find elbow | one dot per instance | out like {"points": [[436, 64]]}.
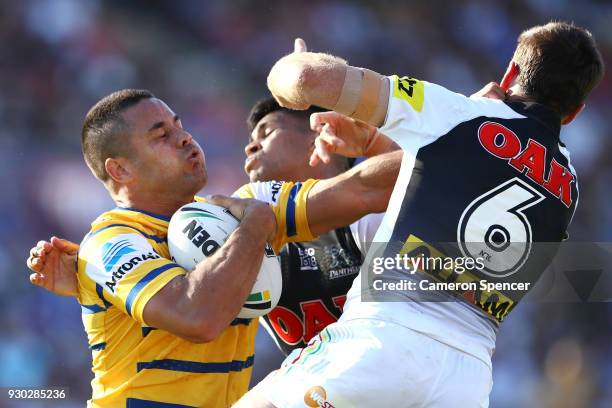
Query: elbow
{"points": [[202, 330], [291, 73]]}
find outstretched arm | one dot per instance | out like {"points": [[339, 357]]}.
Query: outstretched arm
{"points": [[364, 189]]}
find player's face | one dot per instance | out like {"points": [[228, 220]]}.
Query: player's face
{"points": [[279, 148], [165, 158]]}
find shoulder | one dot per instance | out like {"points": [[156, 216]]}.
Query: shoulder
{"points": [[267, 191]]}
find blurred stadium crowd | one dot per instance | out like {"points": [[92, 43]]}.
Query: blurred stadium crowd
{"points": [[209, 61]]}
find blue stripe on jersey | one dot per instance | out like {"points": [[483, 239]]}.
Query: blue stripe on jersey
{"points": [[100, 292], [92, 309], [155, 238], [238, 321], [291, 230], [140, 403], [143, 282], [150, 214], [146, 330], [97, 346], [196, 366]]}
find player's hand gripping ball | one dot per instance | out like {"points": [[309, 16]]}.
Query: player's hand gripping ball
{"points": [[197, 230]]}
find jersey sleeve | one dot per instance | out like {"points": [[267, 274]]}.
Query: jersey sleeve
{"points": [[419, 112], [288, 200], [125, 266], [364, 229]]}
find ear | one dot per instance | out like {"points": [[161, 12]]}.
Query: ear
{"points": [[511, 73], [572, 115], [118, 170]]}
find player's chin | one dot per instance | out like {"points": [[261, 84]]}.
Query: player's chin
{"points": [[197, 174]]}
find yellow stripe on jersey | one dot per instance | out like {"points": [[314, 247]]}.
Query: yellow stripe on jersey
{"points": [[288, 201], [122, 263]]}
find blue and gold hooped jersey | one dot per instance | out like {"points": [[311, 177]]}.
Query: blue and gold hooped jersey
{"points": [[123, 262], [288, 201]]}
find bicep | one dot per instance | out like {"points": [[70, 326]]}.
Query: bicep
{"points": [[127, 270], [164, 310]]}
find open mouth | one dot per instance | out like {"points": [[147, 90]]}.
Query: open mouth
{"points": [[195, 155]]}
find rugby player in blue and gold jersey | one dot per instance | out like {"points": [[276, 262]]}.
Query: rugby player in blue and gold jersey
{"points": [[195, 356], [158, 333]]}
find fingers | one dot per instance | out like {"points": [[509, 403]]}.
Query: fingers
{"points": [[37, 279], [492, 91], [219, 199], [323, 150], [314, 159], [317, 120], [36, 259], [64, 245], [299, 45]]}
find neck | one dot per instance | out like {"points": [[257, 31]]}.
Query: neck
{"points": [[162, 204], [319, 172]]}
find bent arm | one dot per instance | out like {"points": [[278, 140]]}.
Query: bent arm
{"points": [[301, 79], [198, 306], [364, 189]]}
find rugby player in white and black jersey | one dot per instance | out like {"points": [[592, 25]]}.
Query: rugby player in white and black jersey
{"points": [[490, 176], [316, 274]]}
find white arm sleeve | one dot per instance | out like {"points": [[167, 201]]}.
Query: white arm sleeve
{"points": [[363, 231], [420, 112]]}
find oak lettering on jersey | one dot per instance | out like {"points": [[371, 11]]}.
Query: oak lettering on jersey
{"points": [[293, 330], [503, 143], [316, 318]]}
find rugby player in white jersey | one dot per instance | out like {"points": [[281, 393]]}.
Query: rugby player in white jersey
{"points": [[490, 176]]}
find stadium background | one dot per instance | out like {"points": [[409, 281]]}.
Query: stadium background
{"points": [[209, 61]]}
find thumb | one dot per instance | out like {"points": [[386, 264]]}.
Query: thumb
{"points": [[299, 45], [64, 245], [219, 199]]}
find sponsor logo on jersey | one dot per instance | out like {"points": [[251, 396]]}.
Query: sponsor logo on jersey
{"points": [[126, 267], [411, 90], [275, 189], [113, 251], [308, 262], [496, 304], [503, 143], [292, 328], [317, 397]]}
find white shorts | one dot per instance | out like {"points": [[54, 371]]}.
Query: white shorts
{"points": [[373, 363]]}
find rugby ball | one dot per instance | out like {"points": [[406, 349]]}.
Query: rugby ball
{"points": [[198, 229]]}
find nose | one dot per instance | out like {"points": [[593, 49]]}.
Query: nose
{"points": [[185, 138], [252, 148]]}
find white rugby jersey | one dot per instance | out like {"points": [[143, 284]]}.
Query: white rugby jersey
{"points": [[491, 178]]}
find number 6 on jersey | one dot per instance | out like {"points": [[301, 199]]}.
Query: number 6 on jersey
{"points": [[494, 227]]}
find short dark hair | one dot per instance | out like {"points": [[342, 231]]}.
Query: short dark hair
{"points": [[104, 127], [268, 105], [559, 64]]}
